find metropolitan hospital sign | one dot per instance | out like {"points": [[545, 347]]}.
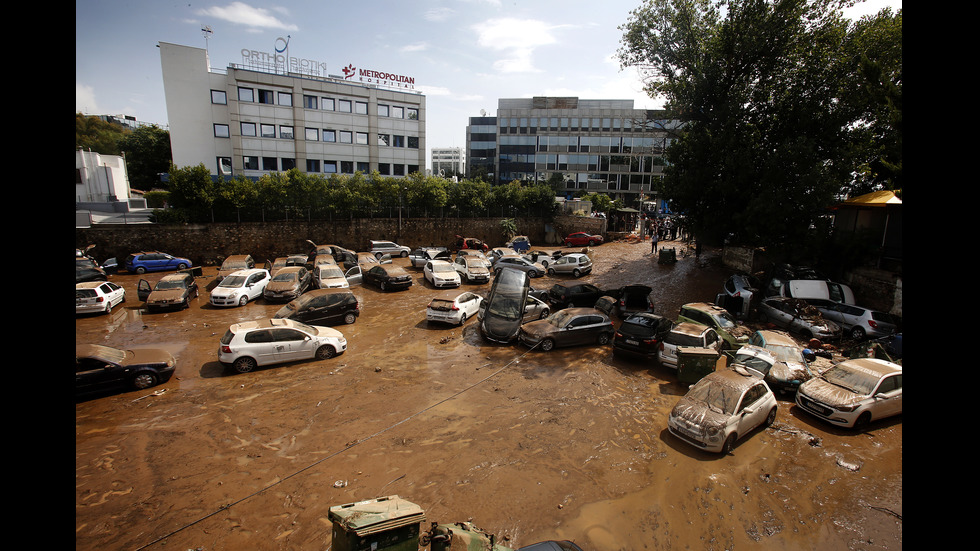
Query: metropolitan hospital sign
{"points": [[280, 61]]}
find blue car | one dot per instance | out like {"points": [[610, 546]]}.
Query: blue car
{"points": [[142, 262]]}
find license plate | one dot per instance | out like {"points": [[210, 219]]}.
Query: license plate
{"points": [[631, 341]]}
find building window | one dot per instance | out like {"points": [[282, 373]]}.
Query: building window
{"points": [[221, 131], [248, 129], [362, 138], [361, 108], [382, 110], [267, 130], [219, 97], [270, 164], [286, 132], [413, 114], [288, 163], [312, 135], [246, 94], [384, 139], [309, 102], [346, 136], [399, 141], [413, 142], [250, 163], [326, 104], [384, 169], [329, 135], [347, 167], [224, 165], [267, 97], [398, 112], [313, 165], [285, 98], [399, 169], [413, 169], [330, 167], [363, 167], [344, 106]]}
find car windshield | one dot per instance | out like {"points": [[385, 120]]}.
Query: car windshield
{"points": [[785, 353], [441, 304], [753, 362], [288, 276], [718, 397], [724, 320], [332, 271], [560, 318], [108, 354], [169, 284], [443, 268], [505, 307], [84, 293], [856, 380], [232, 281]]}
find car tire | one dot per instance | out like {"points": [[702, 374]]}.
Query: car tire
{"points": [[325, 352], [404, 254], [108, 307], [544, 313], [863, 421], [576, 272], [384, 285], [532, 273], [144, 380], [857, 333], [551, 272], [244, 364], [243, 301], [140, 270], [603, 339], [349, 318], [462, 319], [547, 345], [771, 418], [182, 266], [378, 255], [729, 444]]}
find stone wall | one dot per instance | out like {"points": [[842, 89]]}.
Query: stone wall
{"points": [[209, 244]]}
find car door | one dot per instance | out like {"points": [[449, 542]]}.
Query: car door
{"points": [[750, 412], [256, 284], [888, 397], [92, 372], [143, 289], [577, 331], [260, 345], [292, 344], [354, 276]]}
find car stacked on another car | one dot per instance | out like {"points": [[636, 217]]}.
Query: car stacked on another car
{"points": [[686, 334], [859, 322], [777, 358], [798, 316], [577, 264], [288, 283], [721, 408], [292, 260], [250, 344], [639, 335], [441, 273], [854, 392], [454, 309], [98, 366], [568, 327], [504, 311], [172, 291], [97, 297], [239, 287], [733, 334], [154, 261]]}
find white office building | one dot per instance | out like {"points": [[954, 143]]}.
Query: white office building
{"points": [[253, 118], [448, 161]]}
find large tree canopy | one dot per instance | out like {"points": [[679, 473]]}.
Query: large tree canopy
{"points": [[785, 104]]}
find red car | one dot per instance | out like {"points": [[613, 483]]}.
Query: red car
{"points": [[582, 239]]}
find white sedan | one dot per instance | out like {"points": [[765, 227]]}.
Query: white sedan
{"points": [[97, 296], [329, 276], [441, 273], [453, 309], [854, 392]]}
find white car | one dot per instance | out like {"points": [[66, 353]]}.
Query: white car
{"points": [[250, 344], [471, 269], [237, 288], [687, 334], [721, 408], [441, 273], [854, 392], [97, 296], [329, 276], [453, 309]]}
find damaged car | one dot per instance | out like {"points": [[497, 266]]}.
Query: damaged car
{"points": [[472, 269], [441, 273], [859, 322], [568, 327], [454, 309], [798, 316], [686, 334], [98, 296], [239, 287], [287, 284], [98, 366], [782, 363], [172, 291], [640, 334], [502, 313], [234, 263], [723, 407], [251, 344], [732, 333], [854, 392]]}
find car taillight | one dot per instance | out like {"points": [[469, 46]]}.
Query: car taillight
{"points": [[622, 302], [661, 345], [455, 308], [872, 323], [619, 335], [226, 349], [99, 299]]}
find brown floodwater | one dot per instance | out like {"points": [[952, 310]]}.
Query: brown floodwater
{"points": [[568, 444]]}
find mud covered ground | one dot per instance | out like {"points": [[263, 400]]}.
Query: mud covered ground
{"points": [[570, 444]]}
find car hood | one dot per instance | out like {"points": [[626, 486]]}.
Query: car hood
{"points": [[500, 329], [538, 328], [830, 394], [143, 356], [328, 332], [697, 414], [281, 286], [166, 295], [789, 371], [224, 291]]}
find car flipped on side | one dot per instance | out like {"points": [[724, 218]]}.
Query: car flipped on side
{"points": [[502, 313]]}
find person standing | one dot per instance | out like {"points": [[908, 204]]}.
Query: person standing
{"points": [[653, 241]]}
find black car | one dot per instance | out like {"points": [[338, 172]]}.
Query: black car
{"points": [[323, 307], [387, 277], [87, 269], [634, 298], [580, 294], [502, 313], [640, 334], [98, 367]]}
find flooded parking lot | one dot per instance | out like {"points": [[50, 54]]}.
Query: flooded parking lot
{"points": [[568, 444]]}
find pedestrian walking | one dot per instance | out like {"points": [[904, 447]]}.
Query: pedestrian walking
{"points": [[653, 243]]}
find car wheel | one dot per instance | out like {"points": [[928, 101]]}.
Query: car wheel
{"points": [[243, 301], [349, 318], [576, 272], [378, 255], [532, 273], [729, 444], [462, 319], [325, 352], [547, 345], [591, 243], [771, 418], [108, 307], [857, 333], [144, 380], [551, 272], [544, 313], [384, 285], [182, 266], [603, 339], [140, 270], [863, 421], [244, 364], [404, 254]]}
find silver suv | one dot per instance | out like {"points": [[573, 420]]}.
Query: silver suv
{"points": [[249, 344], [381, 248]]}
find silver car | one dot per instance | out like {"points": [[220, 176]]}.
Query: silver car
{"points": [[690, 335], [381, 248], [577, 264], [798, 316], [854, 392], [858, 321], [471, 269], [532, 269]]}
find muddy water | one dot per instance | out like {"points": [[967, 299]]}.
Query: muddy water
{"points": [[570, 444]]}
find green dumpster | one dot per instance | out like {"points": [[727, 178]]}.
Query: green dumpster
{"points": [[667, 256], [385, 523], [694, 363]]}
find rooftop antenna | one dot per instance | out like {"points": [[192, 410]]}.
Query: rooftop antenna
{"points": [[207, 32]]}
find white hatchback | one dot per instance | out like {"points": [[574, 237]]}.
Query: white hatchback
{"points": [[453, 309], [854, 392], [441, 273], [249, 344], [97, 296], [237, 288]]}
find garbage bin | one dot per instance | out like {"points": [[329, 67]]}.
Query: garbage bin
{"points": [[385, 523], [694, 363], [667, 256]]}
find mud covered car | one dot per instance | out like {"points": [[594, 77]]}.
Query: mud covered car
{"points": [[580, 294], [329, 276], [798, 316], [733, 334], [420, 256], [639, 335], [441, 274], [686, 334], [576, 264], [723, 407], [287, 262], [239, 287], [454, 309], [250, 344], [568, 327], [471, 269], [854, 392], [859, 322], [322, 307], [777, 358], [87, 269], [98, 367], [386, 277], [97, 297], [172, 291], [234, 263], [287, 284], [502, 313]]}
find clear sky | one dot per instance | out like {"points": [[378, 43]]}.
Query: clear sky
{"points": [[463, 54]]}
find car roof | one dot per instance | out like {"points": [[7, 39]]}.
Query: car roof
{"points": [[874, 365], [262, 324], [88, 284], [248, 271], [705, 306], [776, 337], [688, 328], [732, 377], [179, 275]]}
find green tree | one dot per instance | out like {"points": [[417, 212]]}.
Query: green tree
{"points": [[766, 91], [193, 191], [147, 151], [93, 133]]}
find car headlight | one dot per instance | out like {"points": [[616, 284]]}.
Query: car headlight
{"points": [[848, 408]]}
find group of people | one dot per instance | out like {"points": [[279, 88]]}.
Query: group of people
{"points": [[661, 230]]}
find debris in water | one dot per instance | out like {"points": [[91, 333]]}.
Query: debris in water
{"points": [[340, 484], [848, 465]]}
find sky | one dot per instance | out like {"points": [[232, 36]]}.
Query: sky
{"points": [[463, 54]]}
